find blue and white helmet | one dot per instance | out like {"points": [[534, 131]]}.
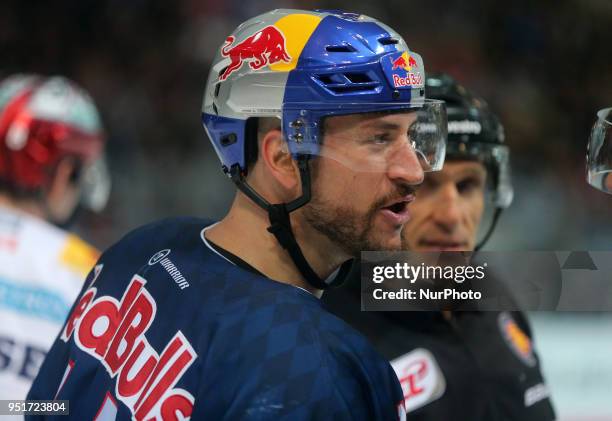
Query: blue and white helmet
{"points": [[301, 66]]}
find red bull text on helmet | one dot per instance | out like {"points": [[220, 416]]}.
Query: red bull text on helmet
{"points": [[405, 62]]}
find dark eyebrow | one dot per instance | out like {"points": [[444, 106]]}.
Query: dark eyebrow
{"points": [[470, 172]]}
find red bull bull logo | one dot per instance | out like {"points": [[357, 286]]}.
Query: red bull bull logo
{"points": [[406, 63], [264, 47]]}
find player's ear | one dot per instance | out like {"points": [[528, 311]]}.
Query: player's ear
{"points": [[278, 161], [65, 177], [62, 193]]}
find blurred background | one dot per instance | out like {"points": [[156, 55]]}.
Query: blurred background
{"points": [[544, 67]]}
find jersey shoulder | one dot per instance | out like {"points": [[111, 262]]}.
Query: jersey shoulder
{"points": [[148, 245], [175, 230], [43, 247], [77, 255]]}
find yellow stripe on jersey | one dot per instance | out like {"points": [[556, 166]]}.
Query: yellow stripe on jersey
{"points": [[78, 256], [297, 29]]}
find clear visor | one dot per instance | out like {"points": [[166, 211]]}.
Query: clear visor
{"points": [[96, 185], [370, 137], [599, 152], [494, 157]]}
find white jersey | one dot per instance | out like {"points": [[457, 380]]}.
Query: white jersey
{"points": [[42, 269]]}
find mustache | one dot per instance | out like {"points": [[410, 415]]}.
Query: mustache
{"points": [[401, 191]]}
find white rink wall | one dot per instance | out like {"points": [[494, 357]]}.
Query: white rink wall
{"points": [[576, 354]]}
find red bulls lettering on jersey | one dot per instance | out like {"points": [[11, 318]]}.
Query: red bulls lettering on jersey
{"points": [[114, 331], [100, 322], [77, 314], [179, 401]]}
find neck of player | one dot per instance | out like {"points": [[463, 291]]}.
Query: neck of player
{"points": [[245, 220], [31, 207]]}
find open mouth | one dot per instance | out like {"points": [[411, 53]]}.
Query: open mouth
{"points": [[397, 213], [398, 207]]}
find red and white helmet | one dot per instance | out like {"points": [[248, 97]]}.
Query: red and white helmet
{"points": [[43, 120]]}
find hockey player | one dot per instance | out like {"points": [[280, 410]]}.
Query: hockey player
{"points": [[320, 120], [599, 152], [462, 365], [50, 144]]}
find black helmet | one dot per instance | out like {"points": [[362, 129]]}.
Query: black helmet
{"points": [[475, 133]]}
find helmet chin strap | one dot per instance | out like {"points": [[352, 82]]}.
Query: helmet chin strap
{"points": [[482, 242], [280, 225]]}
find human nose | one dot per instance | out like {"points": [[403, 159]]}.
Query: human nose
{"points": [[405, 166], [447, 213]]}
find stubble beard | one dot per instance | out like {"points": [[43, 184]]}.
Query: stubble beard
{"points": [[345, 227]]}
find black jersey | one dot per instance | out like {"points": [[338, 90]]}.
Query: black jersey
{"points": [[470, 366]]}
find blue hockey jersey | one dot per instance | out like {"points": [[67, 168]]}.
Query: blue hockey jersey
{"points": [[166, 328]]}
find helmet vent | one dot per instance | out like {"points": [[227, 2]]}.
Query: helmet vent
{"points": [[348, 83], [326, 79], [388, 41], [358, 77], [341, 48]]}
